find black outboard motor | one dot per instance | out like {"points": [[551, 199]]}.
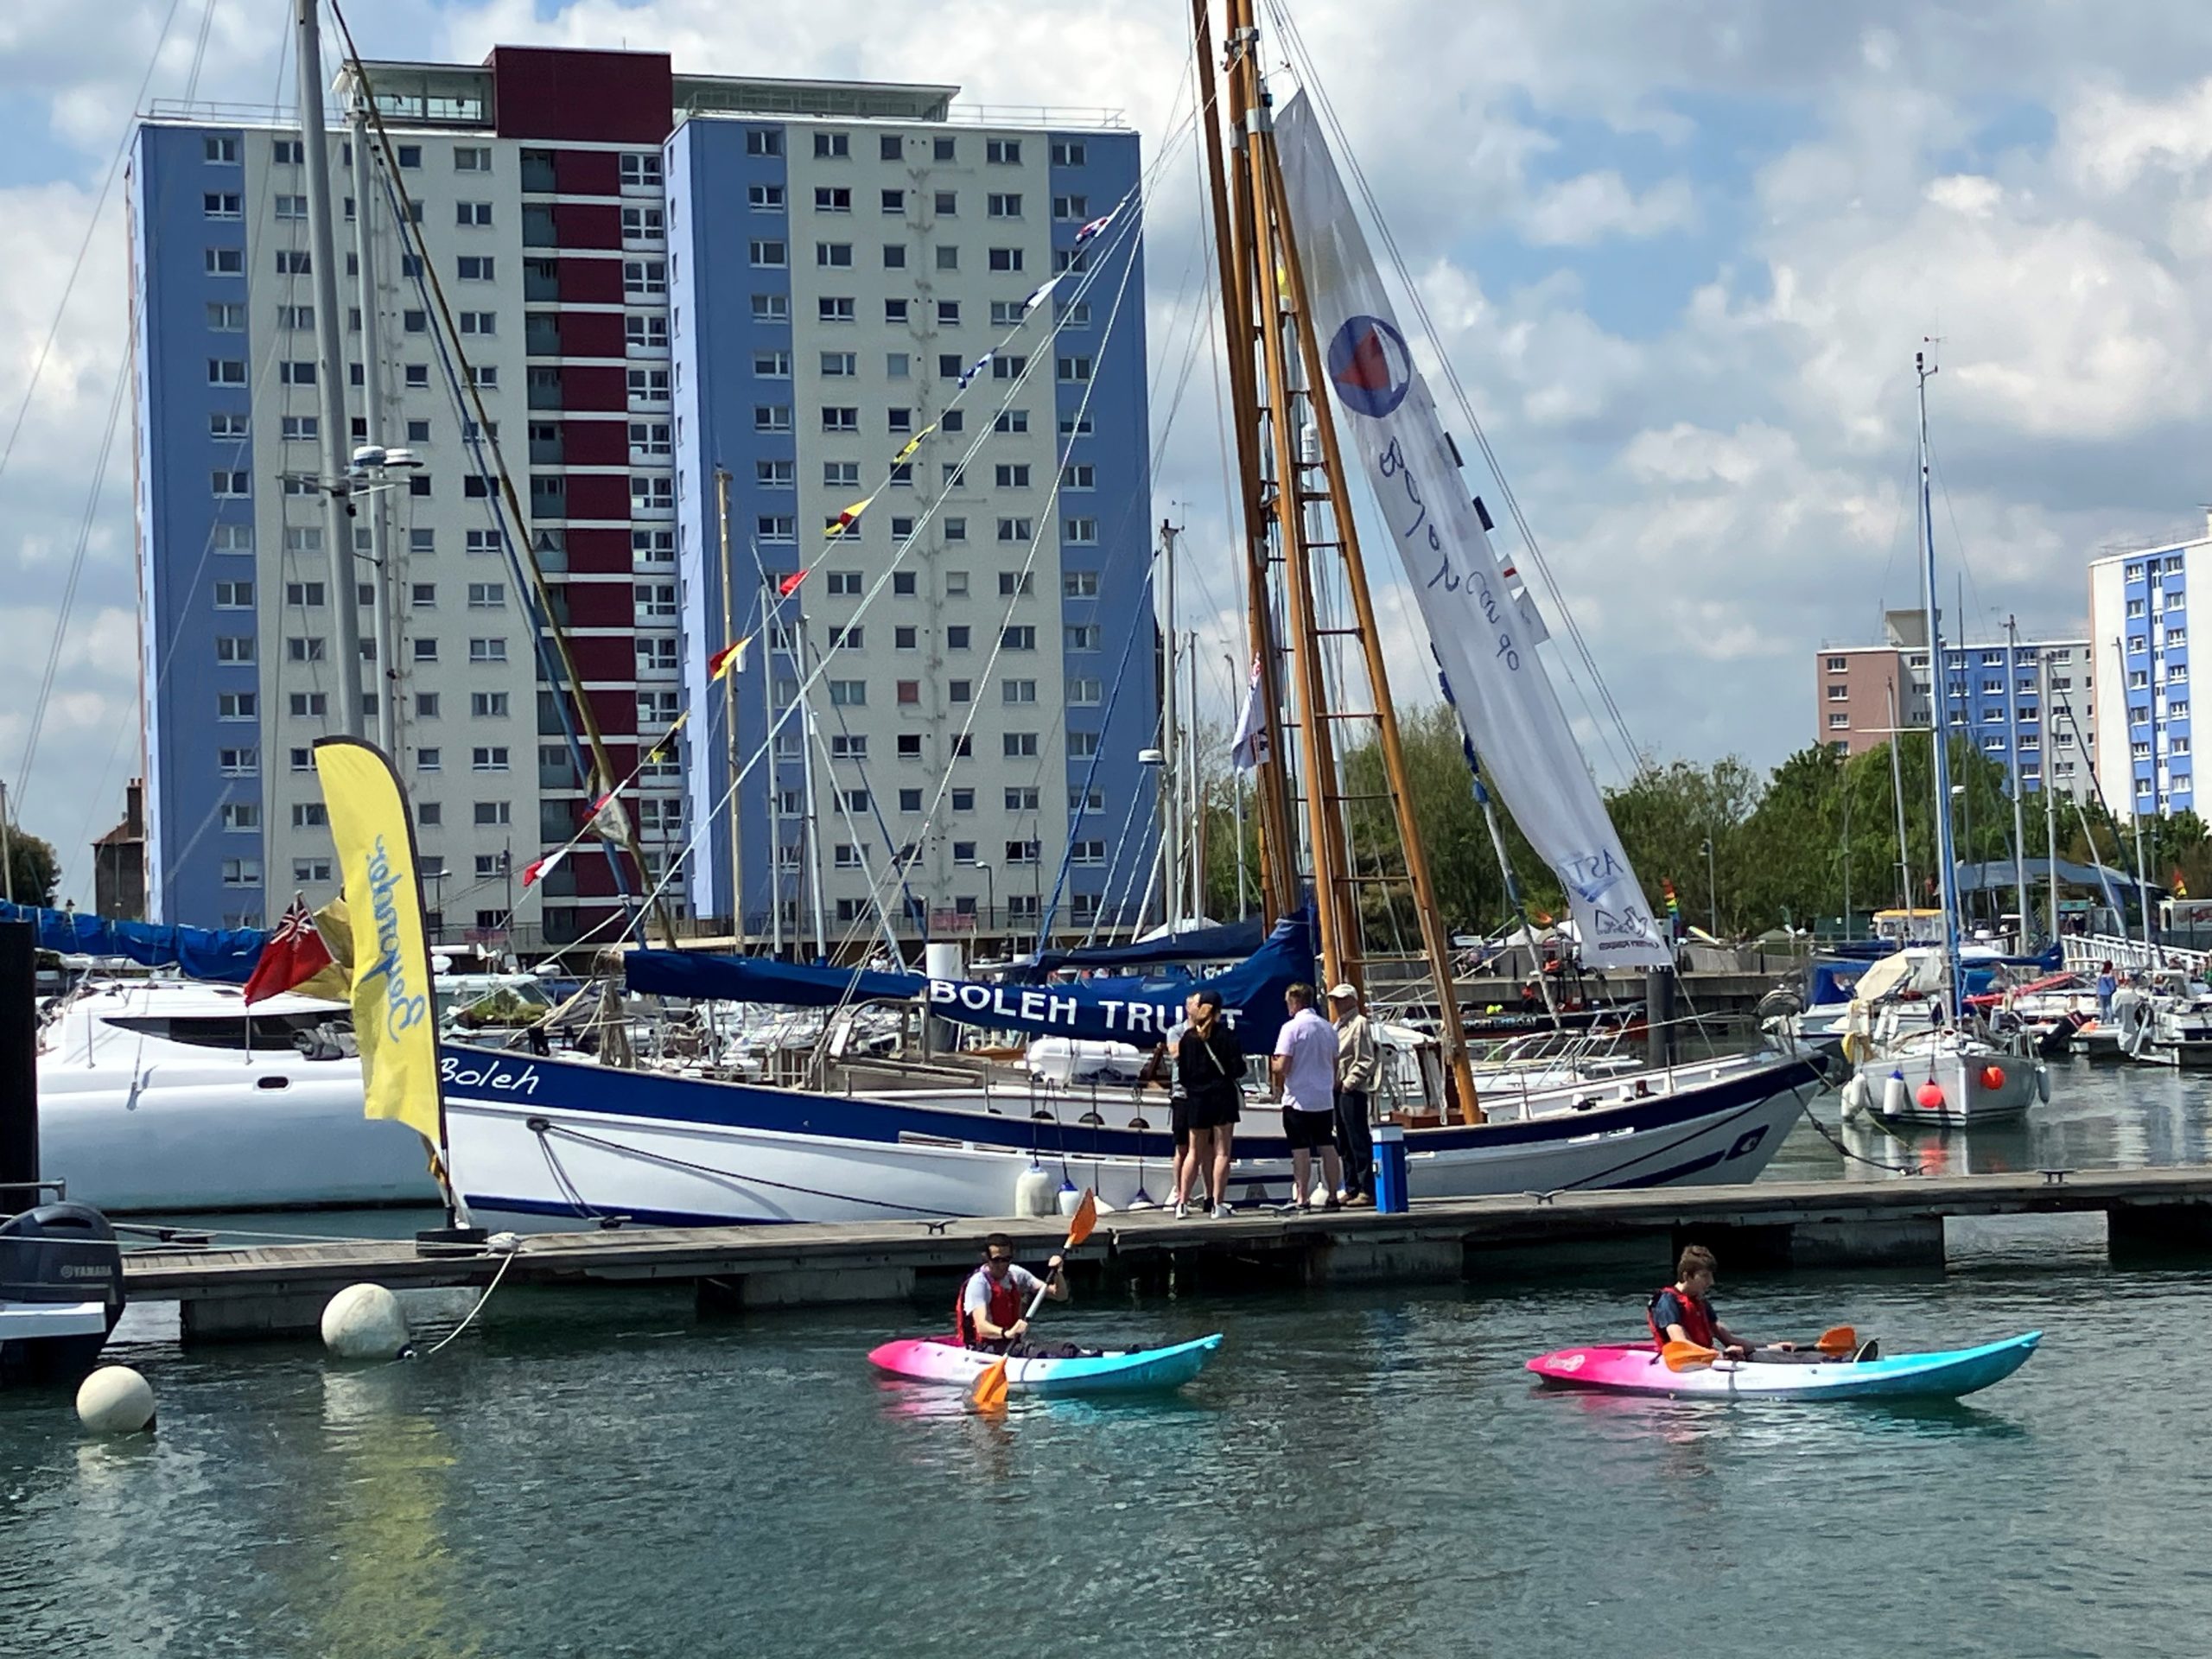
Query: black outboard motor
{"points": [[58, 1253]]}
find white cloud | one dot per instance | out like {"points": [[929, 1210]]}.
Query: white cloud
{"points": [[1594, 207]]}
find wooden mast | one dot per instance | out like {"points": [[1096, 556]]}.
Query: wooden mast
{"points": [[1272, 265], [1338, 918], [1279, 886]]}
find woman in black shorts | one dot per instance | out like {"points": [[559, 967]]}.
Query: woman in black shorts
{"points": [[1210, 1063]]}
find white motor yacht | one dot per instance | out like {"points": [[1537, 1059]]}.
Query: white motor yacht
{"points": [[168, 1096]]}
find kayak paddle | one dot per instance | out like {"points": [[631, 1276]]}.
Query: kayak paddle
{"points": [[1687, 1356], [991, 1386]]}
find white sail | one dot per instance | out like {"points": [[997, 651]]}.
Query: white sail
{"points": [[1480, 634]]}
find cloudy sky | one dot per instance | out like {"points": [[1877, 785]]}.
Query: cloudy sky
{"points": [[1680, 267]]}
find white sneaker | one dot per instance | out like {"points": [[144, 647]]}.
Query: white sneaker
{"points": [[1182, 1211], [1222, 1212]]}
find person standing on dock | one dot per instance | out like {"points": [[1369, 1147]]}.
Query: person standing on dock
{"points": [[1210, 1062], [1356, 1065], [2107, 988], [1304, 1071], [994, 1306]]}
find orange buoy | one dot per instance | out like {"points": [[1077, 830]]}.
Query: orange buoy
{"points": [[1929, 1095], [1993, 1077]]}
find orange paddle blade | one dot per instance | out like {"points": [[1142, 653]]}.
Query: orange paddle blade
{"points": [[991, 1386], [1687, 1356], [1086, 1219], [1838, 1339]]}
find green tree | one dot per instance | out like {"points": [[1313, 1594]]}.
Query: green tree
{"points": [[34, 872]]}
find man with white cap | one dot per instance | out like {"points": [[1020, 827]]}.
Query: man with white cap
{"points": [[1357, 1066]]}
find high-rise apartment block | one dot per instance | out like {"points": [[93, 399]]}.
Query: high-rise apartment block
{"points": [[2138, 626], [1993, 695], [671, 293]]}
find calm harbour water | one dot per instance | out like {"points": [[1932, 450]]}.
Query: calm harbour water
{"points": [[609, 1474]]}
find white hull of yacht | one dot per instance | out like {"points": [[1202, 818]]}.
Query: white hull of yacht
{"points": [[1973, 1085], [543, 1144]]}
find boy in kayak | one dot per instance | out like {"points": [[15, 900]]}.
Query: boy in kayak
{"points": [[994, 1303], [1683, 1311]]}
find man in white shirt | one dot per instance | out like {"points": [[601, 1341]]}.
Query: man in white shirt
{"points": [[1305, 1071]]}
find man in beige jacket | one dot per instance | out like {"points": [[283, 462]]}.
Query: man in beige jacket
{"points": [[1357, 1065]]}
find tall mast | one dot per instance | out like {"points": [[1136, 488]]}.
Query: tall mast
{"points": [[1170, 747], [729, 723], [1896, 794], [1197, 794], [1946, 865], [1219, 102], [2012, 740], [2154, 628], [2049, 752], [330, 372], [384, 575], [1300, 500]]}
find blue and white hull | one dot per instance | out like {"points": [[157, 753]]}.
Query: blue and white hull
{"points": [[549, 1143]]}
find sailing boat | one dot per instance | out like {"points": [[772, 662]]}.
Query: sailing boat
{"points": [[546, 1141], [1943, 1068]]}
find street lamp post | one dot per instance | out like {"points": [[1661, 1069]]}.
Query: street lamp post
{"points": [[1712, 891], [990, 890]]}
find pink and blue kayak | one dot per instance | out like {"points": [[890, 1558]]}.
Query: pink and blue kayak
{"points": [[1636, 1368], [1130, 1370]]}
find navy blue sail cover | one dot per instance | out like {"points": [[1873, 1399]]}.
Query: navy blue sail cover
{"points": [[1120, 1008]]}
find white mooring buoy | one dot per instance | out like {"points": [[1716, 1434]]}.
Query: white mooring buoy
{"points": [[363, 1322], [115, 1400]]}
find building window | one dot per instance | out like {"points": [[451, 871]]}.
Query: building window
{"points": [[1002, 152], [490, 813], [1006, 258], [487, 651], [764, 141], [832, 146], [768, 254]]}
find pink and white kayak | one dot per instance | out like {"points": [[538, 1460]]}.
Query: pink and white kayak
{"points": [[1636, 1368], [922, 1359]]}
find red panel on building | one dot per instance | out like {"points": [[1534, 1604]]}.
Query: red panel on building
{"points": [[587, 225], [596, 878], [598, 495], [596, 443], [599, 97], [591, 281], [597, 656], [606, 388], [617, 710], [602, 604], [586, 173], [590, 334], [599, 552]]}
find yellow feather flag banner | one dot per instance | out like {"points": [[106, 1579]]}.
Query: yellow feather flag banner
{"points": [[394, 1021]]}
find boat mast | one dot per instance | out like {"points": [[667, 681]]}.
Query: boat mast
{"points": [[329, 373], [1220, 102], [1197, 793], [383, 559], [2049, 762], [1171, 747], [1896, 794], [2153, 639], [1946, 867], [2013, 739], [1285, 309], [729, 724]]}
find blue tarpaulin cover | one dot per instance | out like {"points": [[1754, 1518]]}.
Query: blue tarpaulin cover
{"points": [[227, 954]]}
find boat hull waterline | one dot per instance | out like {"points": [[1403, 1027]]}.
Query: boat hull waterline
{"points": [[1636, 1368], [1134, 1370], [543, 1143]]}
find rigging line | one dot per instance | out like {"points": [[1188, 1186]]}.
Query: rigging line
{"points": [[240, 450], [91, 226], [1016, 386], [1312, 83], [1031, 367]]}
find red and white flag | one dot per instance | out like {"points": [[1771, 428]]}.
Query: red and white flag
{"points": [[538, 868], [608, 819], [294, 955]]}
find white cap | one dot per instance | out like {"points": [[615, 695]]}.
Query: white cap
{"points": [[1343, 992]]}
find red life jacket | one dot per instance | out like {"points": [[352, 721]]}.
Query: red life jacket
{"points": [[1004, 1307], [1696, 1320]]}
